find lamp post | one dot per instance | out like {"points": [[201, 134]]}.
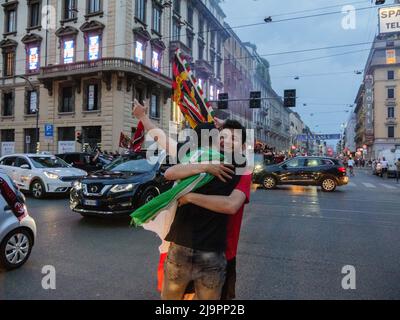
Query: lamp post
{"points": [[37, 111]]}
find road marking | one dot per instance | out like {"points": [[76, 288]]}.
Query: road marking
{"points": [[388, 186], [368, 185], [352, 184]]}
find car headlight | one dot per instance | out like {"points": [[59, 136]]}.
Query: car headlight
{"points": [[51, 175], [258, 168], [122, 188], [77, 185]]}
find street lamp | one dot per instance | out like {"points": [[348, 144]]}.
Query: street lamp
{"points": [[37, 111]]}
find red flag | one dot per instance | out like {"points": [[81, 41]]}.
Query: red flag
{"points": [[138, 138]]}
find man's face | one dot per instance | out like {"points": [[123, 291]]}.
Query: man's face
{"points": [[231, 141]]}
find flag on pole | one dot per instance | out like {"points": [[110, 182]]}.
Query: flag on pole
{"points": [[188, 95]]}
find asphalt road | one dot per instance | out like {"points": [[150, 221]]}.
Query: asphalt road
{"points": [[294, 244]]}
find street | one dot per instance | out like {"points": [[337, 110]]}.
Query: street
{"points": [[294, 243]]}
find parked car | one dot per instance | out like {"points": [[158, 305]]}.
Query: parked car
{"points": [[127, 183], [84, 161], [17, 228], [40, 174], [306, 171]]}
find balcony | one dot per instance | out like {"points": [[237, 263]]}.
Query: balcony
{"points": [[204, 67], [104, 67], [391, 122], [176, 44]]}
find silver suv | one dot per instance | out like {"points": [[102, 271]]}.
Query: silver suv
{"points": [[17, 228]]}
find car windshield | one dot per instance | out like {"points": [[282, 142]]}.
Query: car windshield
{"points": [[48, 162], [130, 165]]}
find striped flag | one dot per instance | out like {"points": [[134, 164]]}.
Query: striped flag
{"points": [[187, 93]]}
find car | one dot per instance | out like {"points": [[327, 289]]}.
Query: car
{"points": [[124, 185], [306, 171], [17, 228], [84, 161], [40, 174]]}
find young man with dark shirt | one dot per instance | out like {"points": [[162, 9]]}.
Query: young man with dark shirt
{"points": [[198, 234]]}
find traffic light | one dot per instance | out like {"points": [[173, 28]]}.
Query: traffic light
{"points": [[79, 138], [289, 98], [223, 101], [255, 99]]}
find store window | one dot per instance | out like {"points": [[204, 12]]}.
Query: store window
{"points": [[33, 56], [68, 52], [93, 47], [92, 98], [155, 60]]}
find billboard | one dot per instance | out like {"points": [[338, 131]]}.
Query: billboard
{"points": [[389, 19]]}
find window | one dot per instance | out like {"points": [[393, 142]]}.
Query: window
{"points": [[176, 31], [11, 21], [8, 104], [33, 59], [31, 102], [157, 19], [9, 63], [189, 40], [67, 99], [219, 67], [390, 112], [155, 60], [93, 47], [94, 6], [190, 15], [154, 107], [68, 51], [22, 161], [391, 132], [140, 12], [177, 6], [390, 93], [212, 93], [139, 51], [313, 163], [9, 161], [390, 75], [212, 41], [92, 97], [295, 163], [201, 51], [201, 28], [70, 9], [34, 14]]}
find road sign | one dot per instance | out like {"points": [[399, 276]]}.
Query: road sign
{"points": [[28, 139], [255, 99], [48, 130]]}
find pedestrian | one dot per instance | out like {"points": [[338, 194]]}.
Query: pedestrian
{"points": [[350, 165], [385, 165], [397, 170]]}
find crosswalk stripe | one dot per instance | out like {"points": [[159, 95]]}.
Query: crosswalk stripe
{"points": [[388, 186], [368, 185]]}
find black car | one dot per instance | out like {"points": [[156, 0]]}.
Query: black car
{"points": [[84, 161], [126, 184], [306, 171]]}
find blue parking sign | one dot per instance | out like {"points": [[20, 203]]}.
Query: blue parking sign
{"points": [[49, 130]]}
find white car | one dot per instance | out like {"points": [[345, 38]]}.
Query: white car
{"points": [[40, 174]]}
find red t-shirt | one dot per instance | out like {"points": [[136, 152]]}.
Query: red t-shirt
{"points": [[235, 221]]}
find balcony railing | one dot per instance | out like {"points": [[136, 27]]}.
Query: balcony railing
{"points": [[105, 64]]}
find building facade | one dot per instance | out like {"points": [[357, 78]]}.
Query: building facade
{"points": [[349, 135], [81, 63]]}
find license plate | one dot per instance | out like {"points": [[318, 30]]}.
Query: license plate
{"points": [[92, 203]]}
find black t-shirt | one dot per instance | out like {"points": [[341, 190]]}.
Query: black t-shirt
{"points": [[201, 229]]}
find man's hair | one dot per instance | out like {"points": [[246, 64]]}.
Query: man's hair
{"points": [[235, 125]]}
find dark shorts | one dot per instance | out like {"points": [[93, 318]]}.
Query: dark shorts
{"points": [[229, 288]]}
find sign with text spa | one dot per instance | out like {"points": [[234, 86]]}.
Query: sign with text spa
{"points": [[389, 19]]}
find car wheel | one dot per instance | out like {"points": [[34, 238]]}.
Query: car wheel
{"points": [[148, 195], [15, 249], [269, 182], [328, 184], [38, 190]]}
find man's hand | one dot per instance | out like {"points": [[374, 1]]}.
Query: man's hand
{"points": [[221, 171], [184, 200], [139, 111]]}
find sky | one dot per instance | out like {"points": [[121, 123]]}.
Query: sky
{"points": [[329, 85]]}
